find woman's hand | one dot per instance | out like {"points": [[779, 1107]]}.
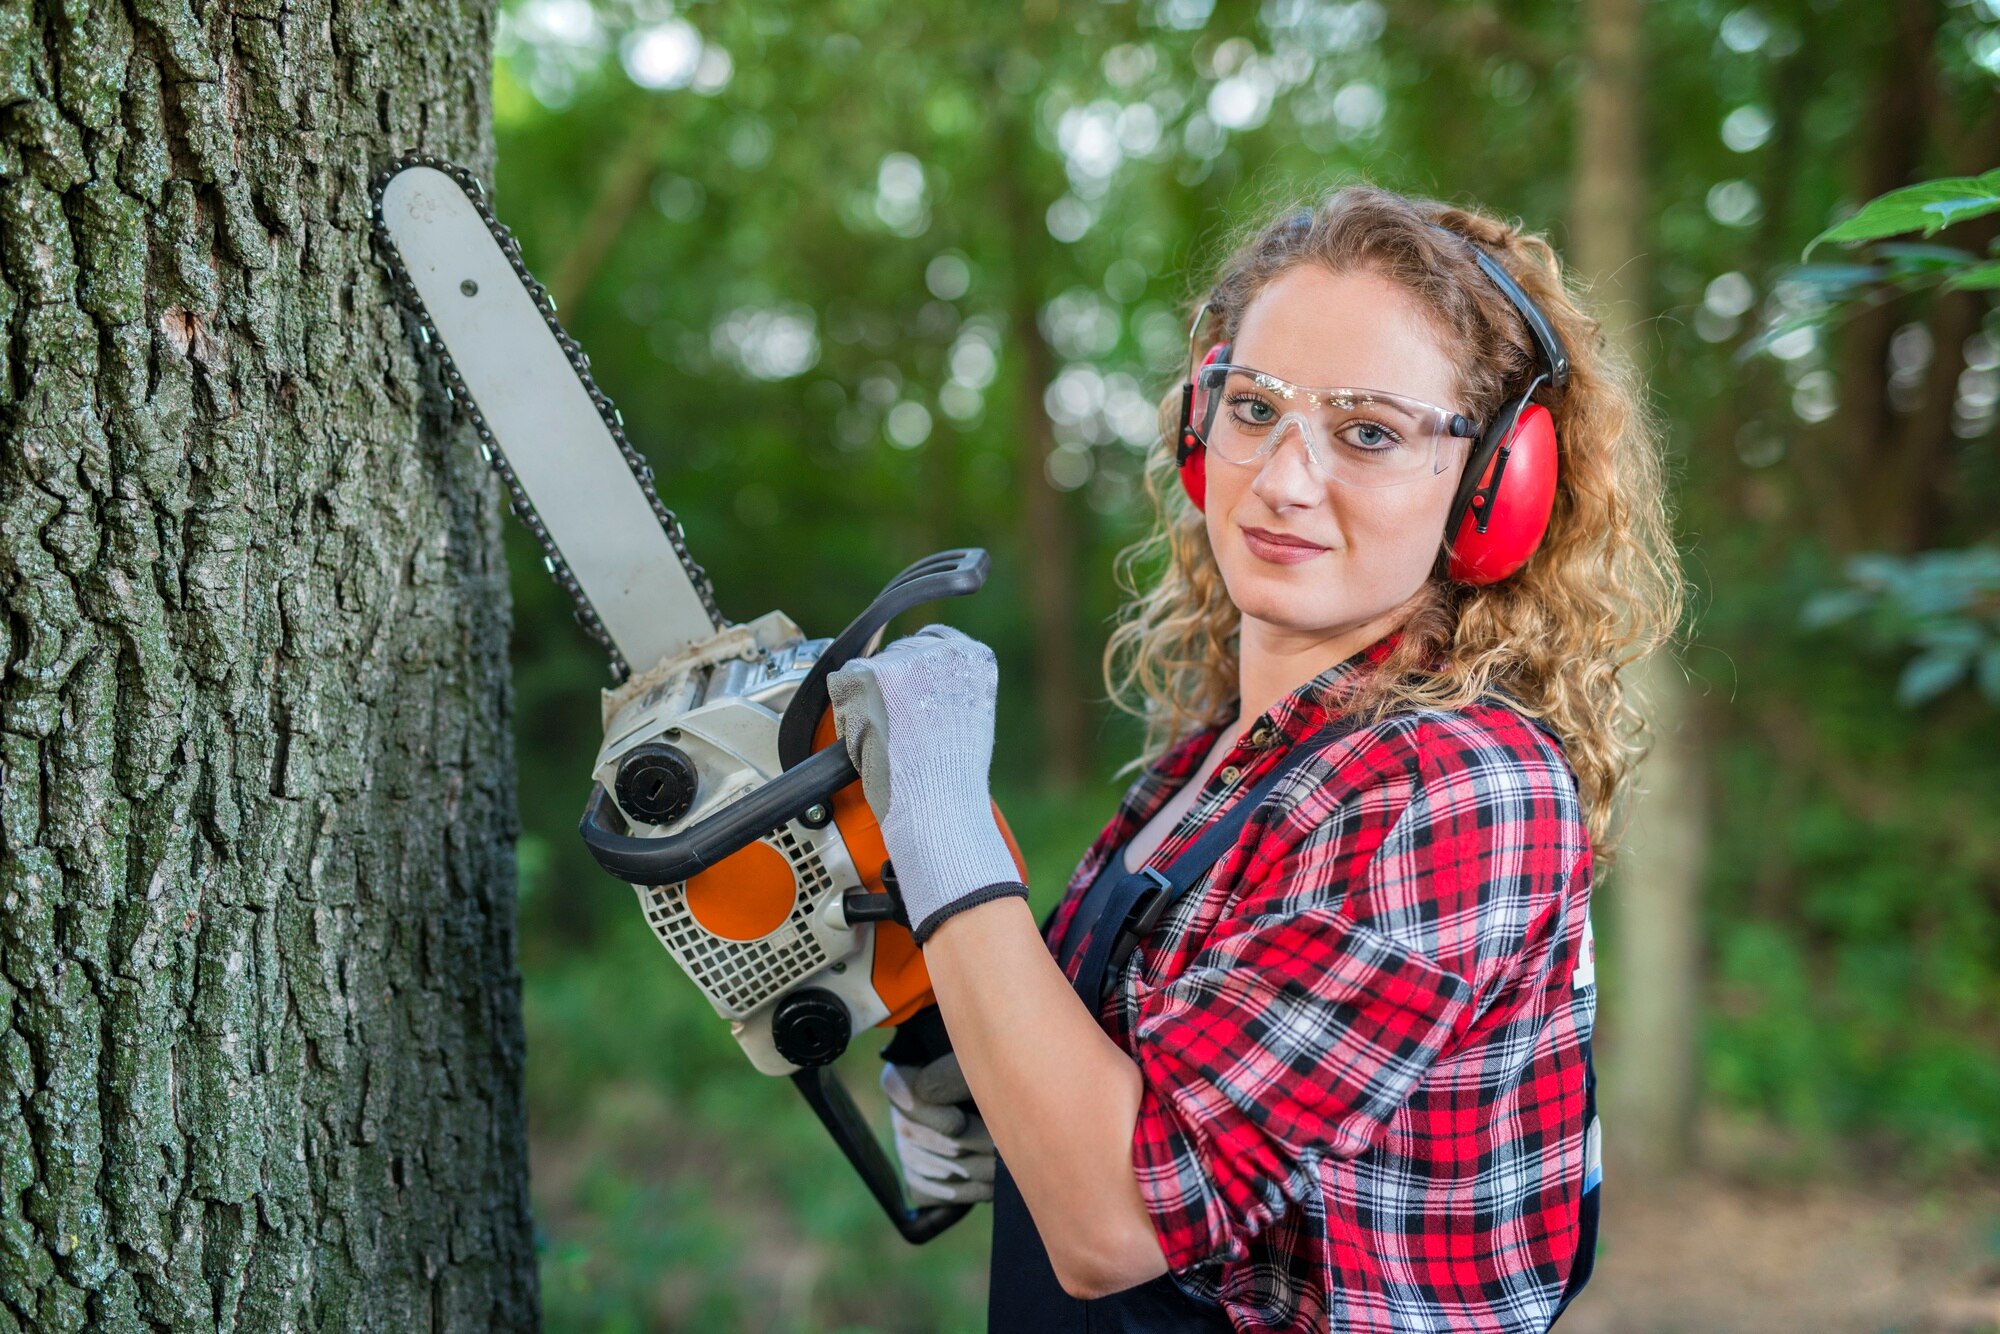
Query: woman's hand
{"points": [[947, 1155], [917, 719]]}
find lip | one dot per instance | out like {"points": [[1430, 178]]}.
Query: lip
{"points": [[1280, 548]]}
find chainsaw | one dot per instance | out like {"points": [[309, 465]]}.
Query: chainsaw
{"points": [[721, 793]]}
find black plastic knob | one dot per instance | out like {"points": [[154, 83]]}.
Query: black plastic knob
{"points": [[811, 1027], [656, 784]]}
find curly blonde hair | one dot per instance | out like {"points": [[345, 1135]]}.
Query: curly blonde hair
{"points": [[1602, 591]]}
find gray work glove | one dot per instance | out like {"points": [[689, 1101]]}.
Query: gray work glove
{"points": [[947, 1155], [917, 718]]}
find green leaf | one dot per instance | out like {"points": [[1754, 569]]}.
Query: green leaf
{"points": [[1929, 675], [1832, 279], [1833, 606], [1753, 346], [1919, 256], [1989, 673], [1982, 278], [1928, 207]]}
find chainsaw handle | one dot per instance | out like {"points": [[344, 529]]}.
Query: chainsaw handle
{"points": [[672, 858], [947, 574], [835, 1107]]}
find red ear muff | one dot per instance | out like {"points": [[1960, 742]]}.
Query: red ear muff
{"points": [[1194, 476], [1506, 512], [1189, 452]]}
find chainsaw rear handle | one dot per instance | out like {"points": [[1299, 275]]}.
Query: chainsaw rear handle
{"points": [[919, 1040], [948, 574]]}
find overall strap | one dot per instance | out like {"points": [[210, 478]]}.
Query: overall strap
{"points": [[1141, 898]]}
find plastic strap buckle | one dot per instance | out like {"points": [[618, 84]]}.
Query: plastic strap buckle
{"points": [[1145, 914]]}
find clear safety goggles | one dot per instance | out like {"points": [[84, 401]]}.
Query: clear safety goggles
{"points": [[1359, 437]]}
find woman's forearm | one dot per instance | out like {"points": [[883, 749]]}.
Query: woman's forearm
{"points": [[1058, 1095]]}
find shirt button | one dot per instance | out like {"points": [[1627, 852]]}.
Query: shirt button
{"points": [[1260, 735], [1230, 774]]}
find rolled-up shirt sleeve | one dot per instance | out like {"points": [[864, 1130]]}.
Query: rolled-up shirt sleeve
{"points": [[1302, 1025], [1298, 1038]]}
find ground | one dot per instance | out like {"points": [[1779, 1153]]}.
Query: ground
{"points": [[650, 1223], [1720, 1256]]}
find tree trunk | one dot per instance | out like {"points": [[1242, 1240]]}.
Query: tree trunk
{"points": [[1896, 121], [1652, 1006], [260, 1035]]}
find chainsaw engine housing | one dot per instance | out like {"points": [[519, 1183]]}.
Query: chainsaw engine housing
{"points": [[771, 918]]}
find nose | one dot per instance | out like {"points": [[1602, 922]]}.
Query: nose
{"points": [[1289, 472]]}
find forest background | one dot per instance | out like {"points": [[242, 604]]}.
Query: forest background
{"points": [[872, 279]]}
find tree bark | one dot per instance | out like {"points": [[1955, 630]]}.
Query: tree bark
{"points": [[260, 1035], [1652, 1005]]}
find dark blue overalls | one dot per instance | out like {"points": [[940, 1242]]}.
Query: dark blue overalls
{"points": [[1118, 909]]}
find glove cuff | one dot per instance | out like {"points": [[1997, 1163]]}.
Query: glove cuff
{"points": [[986, 894]]}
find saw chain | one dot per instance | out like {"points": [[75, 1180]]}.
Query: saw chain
{"points": [[411, 302]]}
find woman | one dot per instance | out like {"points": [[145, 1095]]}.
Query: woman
{"points": [[1340, 1079]]}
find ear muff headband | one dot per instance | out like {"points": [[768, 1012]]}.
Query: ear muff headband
{"points": [[1501, 510]]}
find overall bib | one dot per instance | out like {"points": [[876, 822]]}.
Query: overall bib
{"points": [[1117, 909]]}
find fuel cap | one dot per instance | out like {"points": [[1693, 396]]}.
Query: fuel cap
{"points": [[811, 1027]]}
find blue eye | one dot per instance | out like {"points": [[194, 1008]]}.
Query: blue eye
{"points": [[1371, 436], [1251, 410]]}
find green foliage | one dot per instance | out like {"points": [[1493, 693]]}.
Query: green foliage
{"points": [[1928, 207], [1852, 910], [1947, 603]]}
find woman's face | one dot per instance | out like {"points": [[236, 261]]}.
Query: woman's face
{"points": [[1366, 550]]}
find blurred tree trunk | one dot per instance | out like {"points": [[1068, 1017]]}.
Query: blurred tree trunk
{"points": [[1048, 531], [260, 1034], [623, 184], [1894, 127], [1923, 480], [1652, 1009]]}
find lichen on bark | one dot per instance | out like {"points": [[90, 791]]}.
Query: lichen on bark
{"points": [[260, 1038]]}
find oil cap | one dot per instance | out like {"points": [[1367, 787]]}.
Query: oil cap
{"points": [[810, 1027], [656, 783]]}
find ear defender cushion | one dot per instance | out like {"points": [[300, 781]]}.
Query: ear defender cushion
{"points": [[1191, 453], [1516, 510]]}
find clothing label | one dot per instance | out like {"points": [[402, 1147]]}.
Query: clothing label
{"points": [[1586, 961]]}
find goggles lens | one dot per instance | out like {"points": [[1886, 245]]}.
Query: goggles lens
{"points": [[1360, 437]]}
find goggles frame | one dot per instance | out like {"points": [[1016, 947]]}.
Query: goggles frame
{"points": [[1209, 387]]}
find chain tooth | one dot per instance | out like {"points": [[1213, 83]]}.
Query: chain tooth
{"points": [[614, 420]]}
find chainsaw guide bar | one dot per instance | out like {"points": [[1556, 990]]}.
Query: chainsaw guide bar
{"points": [[637, 589], [721, 793]]}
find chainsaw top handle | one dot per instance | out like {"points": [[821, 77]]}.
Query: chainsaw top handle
{"points": [[948, 574], [809, 779]]}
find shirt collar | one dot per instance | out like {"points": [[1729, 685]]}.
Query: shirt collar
{"points": [[1306, 709], [1297, 715], [1318, 701]]}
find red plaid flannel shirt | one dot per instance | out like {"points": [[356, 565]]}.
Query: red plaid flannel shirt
{"points": [[1362, 1032]]}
